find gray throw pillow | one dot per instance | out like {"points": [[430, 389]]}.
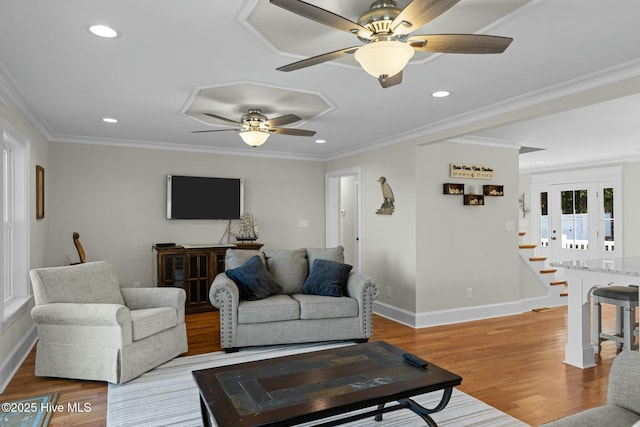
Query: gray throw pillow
{"points": [[327, 278], [253, 280]]}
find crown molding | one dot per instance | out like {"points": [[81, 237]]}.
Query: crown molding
{"points": [[14, 96]]}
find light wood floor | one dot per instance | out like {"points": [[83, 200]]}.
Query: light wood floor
{"points": [[513, 363]]}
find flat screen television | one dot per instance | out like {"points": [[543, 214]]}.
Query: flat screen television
{"points": [[198, 197]]}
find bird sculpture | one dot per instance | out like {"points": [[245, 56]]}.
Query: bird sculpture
{"points": [[387, 198]]}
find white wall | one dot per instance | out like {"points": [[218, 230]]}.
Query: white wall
{"points": [[631, 209], [461, 247], [115, 198], [17, 337], [388, 241]]}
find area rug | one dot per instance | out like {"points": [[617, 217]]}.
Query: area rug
{"points": [[28, 412], [167, 396]]}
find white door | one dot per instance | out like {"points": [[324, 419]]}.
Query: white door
{"points": [[574, 221], [343, 214]]}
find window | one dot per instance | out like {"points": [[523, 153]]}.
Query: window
{"points": [[14, 235]]}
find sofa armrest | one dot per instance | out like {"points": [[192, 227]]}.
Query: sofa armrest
{"points": [[141, 298], [224, 295], [365, 290], [224, 291], [81, 314], [359, 286]]}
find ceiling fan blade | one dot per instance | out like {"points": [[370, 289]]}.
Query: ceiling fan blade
{"points": [[323, 16], [294, 132], [390, 81], [330, 56], [460, 43], [224, 119], [419, 12], [214, 130], [283, 120]]}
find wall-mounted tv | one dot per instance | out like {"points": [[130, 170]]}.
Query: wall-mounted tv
{"points": [[198, 197]]}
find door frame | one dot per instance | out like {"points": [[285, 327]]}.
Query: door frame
{"points": [[602, 178], [332, 210]]}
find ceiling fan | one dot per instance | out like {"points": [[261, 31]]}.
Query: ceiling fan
{"points": [[255, 127], [386, 31]]}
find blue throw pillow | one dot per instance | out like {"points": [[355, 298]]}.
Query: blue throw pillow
{"points": [[253, 280], [327, 278]]}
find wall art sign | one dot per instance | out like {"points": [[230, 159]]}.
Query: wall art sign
{"points": [[463, 170]]}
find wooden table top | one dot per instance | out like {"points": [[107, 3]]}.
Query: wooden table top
{"points": [[315, 385]]}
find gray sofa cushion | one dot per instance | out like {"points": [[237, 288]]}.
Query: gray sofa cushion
{"points": [[321, 307], [288, 267], [272, 309], [238, 257], [150, 321], [331, 254]]}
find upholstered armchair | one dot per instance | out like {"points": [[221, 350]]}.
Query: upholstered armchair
{"points": [[90, 328], [623, 398]]}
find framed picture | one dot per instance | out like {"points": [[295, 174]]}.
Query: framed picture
{"points": [[39, 192]]}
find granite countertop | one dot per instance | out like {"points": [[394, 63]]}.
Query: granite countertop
{"points": [[629, 266]]}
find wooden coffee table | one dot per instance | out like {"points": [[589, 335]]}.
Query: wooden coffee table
{"points": [[290, 390]]}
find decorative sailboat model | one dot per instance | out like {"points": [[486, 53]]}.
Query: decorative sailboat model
{"points": [[247, 229]]}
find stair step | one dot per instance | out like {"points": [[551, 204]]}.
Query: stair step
{"points": [[537, 258], [558, 282], [522, 233], [528, 246], [548, 271]]}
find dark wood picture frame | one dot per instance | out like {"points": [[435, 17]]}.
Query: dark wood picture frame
{"points": [[39, 192]]}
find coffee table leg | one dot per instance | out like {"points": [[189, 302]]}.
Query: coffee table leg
{"points": [[379, 416], [424, 412], [206, 421]]}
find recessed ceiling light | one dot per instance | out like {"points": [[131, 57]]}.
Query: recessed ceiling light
{"points": [[110, 120], [441, 93], [539, 163], [320, 141], [103, 31]]}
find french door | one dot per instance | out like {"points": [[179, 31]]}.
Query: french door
{"points": [[578, 220]]}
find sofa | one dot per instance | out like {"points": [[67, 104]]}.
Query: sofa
{"points": [[90, 328], [301, 295], [623, 398]]}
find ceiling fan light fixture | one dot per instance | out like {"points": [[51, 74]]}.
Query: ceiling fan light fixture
{"points": [[384, 58], [254, 138]]}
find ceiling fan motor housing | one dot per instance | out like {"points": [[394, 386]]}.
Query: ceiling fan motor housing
{"points": [[379, 17], [254, 120]]}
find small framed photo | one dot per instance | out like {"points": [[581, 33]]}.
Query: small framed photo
{"points": [[39, 192]]}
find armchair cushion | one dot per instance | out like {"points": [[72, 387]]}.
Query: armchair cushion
{"points": [[82, 283], [150, 321], [321, 307], [253, 280], [327, 278]]}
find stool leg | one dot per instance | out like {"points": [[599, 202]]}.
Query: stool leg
{"points": [[597, 325], [628, 330], [620, 321]]}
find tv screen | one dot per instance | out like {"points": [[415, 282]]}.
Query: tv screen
{"points": [[197, 197]]}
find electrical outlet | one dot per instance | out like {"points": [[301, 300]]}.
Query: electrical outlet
{"points": [[136, 284], [469, 292], [389, 292]]}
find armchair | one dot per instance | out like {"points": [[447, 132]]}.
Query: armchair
{"points": [[90, 328], [623, 402]]}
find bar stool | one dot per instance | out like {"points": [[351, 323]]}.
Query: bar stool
{"points": [[625, 298]]}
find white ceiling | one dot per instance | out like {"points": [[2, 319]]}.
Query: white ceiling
{"points": [[579, 55]]}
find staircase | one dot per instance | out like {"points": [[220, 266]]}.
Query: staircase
{"points": [[539, 266]]}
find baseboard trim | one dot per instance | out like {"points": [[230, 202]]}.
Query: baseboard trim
{"points": [[17, 356], [464, 314]]}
